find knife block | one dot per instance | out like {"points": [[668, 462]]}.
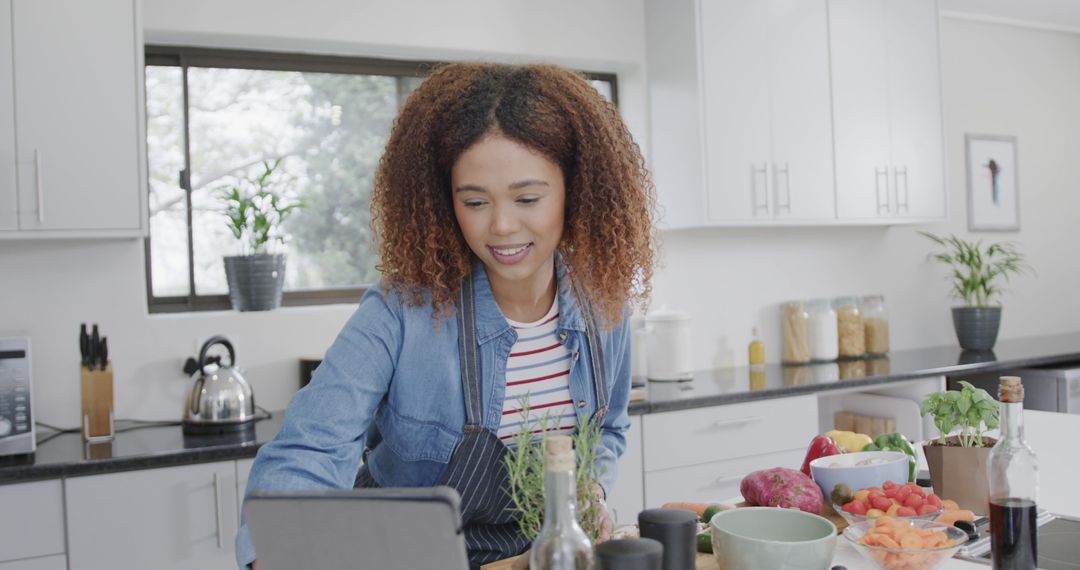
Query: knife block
{"points": [[97, 403]]}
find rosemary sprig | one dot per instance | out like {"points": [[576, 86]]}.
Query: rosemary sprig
{"points": [[525, 469]]}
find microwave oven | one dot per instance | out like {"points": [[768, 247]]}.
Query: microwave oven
{"points": [[17, 435]]}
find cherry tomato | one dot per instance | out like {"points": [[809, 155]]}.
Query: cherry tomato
{"points": [[905, 512], [881, 503], [914, 501]]}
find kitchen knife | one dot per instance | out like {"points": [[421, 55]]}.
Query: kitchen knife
{"points": [[104, 352], [95, 343], [84, 345]]}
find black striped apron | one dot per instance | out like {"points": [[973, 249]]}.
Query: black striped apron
{"points": [[476, 469]]}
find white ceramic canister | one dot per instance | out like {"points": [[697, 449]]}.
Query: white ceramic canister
{"points": [[670, 353]]}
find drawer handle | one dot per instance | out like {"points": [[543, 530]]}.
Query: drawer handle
{"points": [[735, 421], [721, 480], [217, 510]]}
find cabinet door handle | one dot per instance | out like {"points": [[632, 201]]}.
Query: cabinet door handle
{"points": [[754, 171], [736, 421], [721, 480], [38, 187], [217, 509], [787, 187], [878, 174], [897, 173]]}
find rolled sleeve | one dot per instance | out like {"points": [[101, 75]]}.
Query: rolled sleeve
{"points": [[322, 435]]}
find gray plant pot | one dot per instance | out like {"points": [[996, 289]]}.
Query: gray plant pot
{"points": [[976, 327], [255, 281]]}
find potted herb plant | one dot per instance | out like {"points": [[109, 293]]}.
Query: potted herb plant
{"points": [[958, 462], [977, 275], [255, 207]]}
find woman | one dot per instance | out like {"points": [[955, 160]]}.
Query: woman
{"points": [[513, 213]]}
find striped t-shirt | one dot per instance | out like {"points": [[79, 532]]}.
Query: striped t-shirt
{"points": [[538, 368]]}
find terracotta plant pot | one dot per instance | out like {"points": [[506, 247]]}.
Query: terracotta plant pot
{"points": [[959, 473]]}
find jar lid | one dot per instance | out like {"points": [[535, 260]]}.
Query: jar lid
{"points": [[663, 314]]}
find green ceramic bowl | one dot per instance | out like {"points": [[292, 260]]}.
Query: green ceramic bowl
{"points": [[772, 537]]}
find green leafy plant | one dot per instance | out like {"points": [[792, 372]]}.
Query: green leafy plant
{"points": [[525, 469], [255, 207], [970, 408], [977, 271]]}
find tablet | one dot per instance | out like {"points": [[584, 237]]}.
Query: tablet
{"points": [[354, 529]]}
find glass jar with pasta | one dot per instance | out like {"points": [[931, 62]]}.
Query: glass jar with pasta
{"points": [[793, 321], [875, 324], [850, 328]]}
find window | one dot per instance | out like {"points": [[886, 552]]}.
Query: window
{"points": [[214, 117]]}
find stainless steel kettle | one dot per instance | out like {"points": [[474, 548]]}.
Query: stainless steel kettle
{"points": [[220, 400]]}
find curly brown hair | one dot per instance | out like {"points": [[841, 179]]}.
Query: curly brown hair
{"points": [[608, 241]]}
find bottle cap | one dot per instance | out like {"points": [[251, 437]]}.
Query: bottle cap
{"points": [[1011, 390]]}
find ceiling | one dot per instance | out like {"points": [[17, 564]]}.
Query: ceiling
{"points": [[1052, 14]]}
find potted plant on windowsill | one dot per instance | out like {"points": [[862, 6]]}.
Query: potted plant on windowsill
{"points": [[958, 462], [255, 207], [977, 274]]}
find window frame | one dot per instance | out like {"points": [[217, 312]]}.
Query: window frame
{"points": [[186, 57]]}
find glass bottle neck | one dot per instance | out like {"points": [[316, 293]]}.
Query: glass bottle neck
{"points": [[560, 491], [1012, 421]]}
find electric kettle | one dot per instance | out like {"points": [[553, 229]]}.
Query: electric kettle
{"points": [[220, 400]]}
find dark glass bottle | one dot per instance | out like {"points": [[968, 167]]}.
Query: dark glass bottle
{"points": [[1013, 475]]}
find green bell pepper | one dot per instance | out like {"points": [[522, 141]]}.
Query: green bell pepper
{"points": [[896, 442]]}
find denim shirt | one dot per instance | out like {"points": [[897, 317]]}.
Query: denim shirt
{"points": [[391, 381]]}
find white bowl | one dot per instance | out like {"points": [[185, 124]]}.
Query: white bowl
{"points": [[832, 470]]}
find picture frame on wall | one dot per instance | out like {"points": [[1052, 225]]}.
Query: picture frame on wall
{"points": [[993, 183]]}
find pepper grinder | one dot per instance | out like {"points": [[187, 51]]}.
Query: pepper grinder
{"points": [[676, 529], [630, 554]]}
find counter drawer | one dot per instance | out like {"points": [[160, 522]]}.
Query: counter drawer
{"points": [[690, 437], [58, 562], [712, 482], [33, 521]]}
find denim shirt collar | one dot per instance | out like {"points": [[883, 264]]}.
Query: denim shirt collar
{"points": [[491, 323]]}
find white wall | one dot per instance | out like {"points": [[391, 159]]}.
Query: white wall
{"points": [[997, 79]]}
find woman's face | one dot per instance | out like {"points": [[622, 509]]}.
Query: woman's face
{"points": [[509, 202]]}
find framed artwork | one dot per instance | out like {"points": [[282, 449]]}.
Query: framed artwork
{"points": [[992, 181]]}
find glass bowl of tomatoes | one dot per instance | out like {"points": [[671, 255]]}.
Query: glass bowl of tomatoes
{"points": [[904, 502]]}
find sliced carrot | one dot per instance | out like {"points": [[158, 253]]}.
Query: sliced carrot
{"points": [[698, 508]]}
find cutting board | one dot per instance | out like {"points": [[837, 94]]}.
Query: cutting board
{"points": [[704, 561]]}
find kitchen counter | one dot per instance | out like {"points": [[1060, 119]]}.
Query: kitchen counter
{"points": [[66, 455], [742, 384], [164, 446]]}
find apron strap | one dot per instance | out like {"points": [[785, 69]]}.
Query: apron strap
{"points": [[596, 357], [469, 354]]}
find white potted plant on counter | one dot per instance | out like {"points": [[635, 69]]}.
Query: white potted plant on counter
{"points": [[976, 277], [255, 207]]}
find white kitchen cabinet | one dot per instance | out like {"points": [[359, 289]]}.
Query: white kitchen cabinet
{"points": [[243, 470], [703, 435], [77, 97], [32, 524], [887, 117], [9, 203], [765, 88], [712, 482], [628, 493], [58, 562], [176, 517]]}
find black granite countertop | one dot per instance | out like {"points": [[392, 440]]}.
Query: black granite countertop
{"points": [[66, 455], [742, 384]]}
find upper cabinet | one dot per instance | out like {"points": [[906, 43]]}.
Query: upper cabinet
{"points": [[75, 68], [9, 217], [887, 110], [773, 112]]}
